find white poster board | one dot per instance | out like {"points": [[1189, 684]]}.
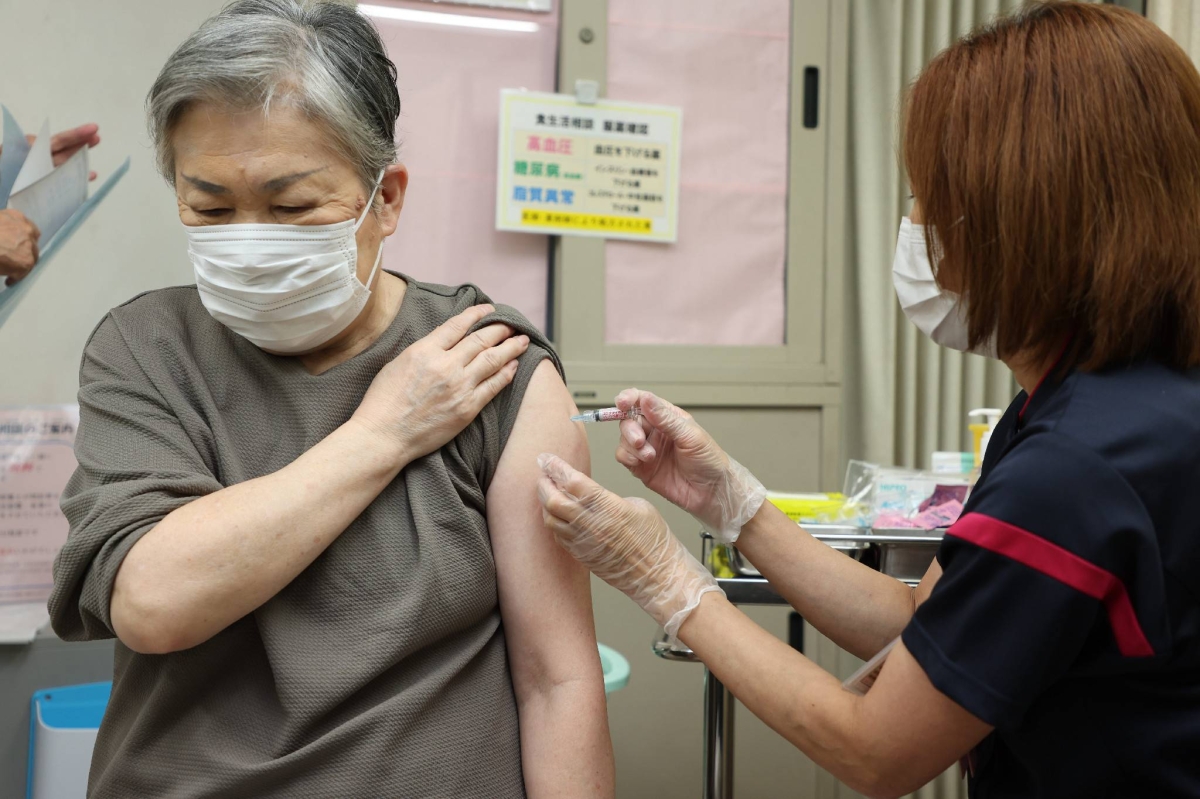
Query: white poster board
{"points": [[605, 169], [37, 458]]}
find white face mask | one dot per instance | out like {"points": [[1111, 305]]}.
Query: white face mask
{"points": [[285, 288], [939, 314]]}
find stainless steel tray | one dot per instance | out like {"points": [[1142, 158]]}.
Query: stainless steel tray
{"points": [[902, 553], [909, 552], [847, 539]]}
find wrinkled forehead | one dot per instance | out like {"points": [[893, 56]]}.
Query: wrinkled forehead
{"points": [[256, 146]]}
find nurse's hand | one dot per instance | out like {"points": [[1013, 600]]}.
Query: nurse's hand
{"points": [[438, 385], [18, 245], [624, 542], [677, 459]]}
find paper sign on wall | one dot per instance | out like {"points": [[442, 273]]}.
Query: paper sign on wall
{"points": [[37, 459], [605, 169]]}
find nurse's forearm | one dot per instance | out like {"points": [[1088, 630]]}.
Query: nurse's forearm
{"points": [[216, 559], [791, 694], [889, 743], [858, 608]]}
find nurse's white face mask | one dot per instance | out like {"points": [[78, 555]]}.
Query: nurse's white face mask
{"points": [[285, 288], [939, 314]]}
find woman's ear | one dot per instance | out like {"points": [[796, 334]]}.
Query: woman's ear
{"points": [[391, 194]]}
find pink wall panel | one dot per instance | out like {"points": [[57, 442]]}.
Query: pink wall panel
{"points": [[450, 80], [726, 63]]}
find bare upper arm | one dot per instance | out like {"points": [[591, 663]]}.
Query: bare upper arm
{"points": [[937, 730], [545, 596], [925, 587]]}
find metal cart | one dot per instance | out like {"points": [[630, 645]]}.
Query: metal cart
{"points": [[903, 554]]}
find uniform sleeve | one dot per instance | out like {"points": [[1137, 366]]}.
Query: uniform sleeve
{"points": [[1055, 556], [136, 465]]}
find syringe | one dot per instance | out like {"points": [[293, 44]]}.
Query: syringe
{"points": [[607, 415]]}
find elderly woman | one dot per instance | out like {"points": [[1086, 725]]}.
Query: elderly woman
{"points": [[306, 498]]}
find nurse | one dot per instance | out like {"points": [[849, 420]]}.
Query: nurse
{"points": [[1054, 644]]}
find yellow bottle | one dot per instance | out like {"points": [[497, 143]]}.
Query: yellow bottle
{"points": [[982, 431]]}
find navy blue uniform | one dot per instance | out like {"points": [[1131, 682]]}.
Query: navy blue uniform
{"points": [[1068, 612]]}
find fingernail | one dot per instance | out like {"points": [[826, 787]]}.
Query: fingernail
{"points": [[524, 339], [543, 461]]}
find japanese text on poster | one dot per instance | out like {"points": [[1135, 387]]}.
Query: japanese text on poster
{"points": [[37, 459], [606, 169]]}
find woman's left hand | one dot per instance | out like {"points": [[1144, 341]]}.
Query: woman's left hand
{"points": [[624, 542]]}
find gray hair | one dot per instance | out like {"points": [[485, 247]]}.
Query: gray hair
{"points": [[323, 56]]}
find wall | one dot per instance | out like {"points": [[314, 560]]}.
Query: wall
{"points": [[91, 61], [78, 61]]}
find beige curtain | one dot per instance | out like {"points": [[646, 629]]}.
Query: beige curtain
{"points": [[1179, 18], [906, 397]]}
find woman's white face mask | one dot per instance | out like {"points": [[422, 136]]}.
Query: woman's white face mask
{"points": [[287, 289], [939, 314]]}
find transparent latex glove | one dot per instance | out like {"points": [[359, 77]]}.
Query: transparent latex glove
{"points": [[624, 542], [678, 459]]}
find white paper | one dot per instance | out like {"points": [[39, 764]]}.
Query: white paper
{"points": [[12, 155], [19, 624], [861, 681], [39, 162], [50, 201], [11, 296], [604, 169], [37, 458]]}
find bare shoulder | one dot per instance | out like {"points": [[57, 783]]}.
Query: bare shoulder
{"points": [[548, 393], [544, 425]]}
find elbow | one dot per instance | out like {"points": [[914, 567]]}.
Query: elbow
{"points": [[545, 689], [914, 601], [877, 779], [148, 626], [878, 787], [876, 768]]}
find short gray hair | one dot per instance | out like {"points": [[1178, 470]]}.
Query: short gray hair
{"points": [[323, 56]]}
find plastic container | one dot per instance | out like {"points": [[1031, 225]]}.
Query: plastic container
{"points": [[955, 463], [616, 669], [808, 507], [62, 733], [982, 431]]}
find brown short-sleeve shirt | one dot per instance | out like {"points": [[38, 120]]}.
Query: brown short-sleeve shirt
{"points": [[381, 669]]}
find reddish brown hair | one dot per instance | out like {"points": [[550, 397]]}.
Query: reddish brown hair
{"points": [[1056, 157]]}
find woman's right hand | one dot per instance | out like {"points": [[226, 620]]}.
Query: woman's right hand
{"points": [[438, 385], [677, 459]]}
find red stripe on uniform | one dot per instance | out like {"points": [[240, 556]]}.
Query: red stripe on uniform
{"points": [[1068, 568]]}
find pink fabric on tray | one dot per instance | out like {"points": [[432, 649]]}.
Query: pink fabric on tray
{"points": [[931, 518], [450, 80], [726, 63]]}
